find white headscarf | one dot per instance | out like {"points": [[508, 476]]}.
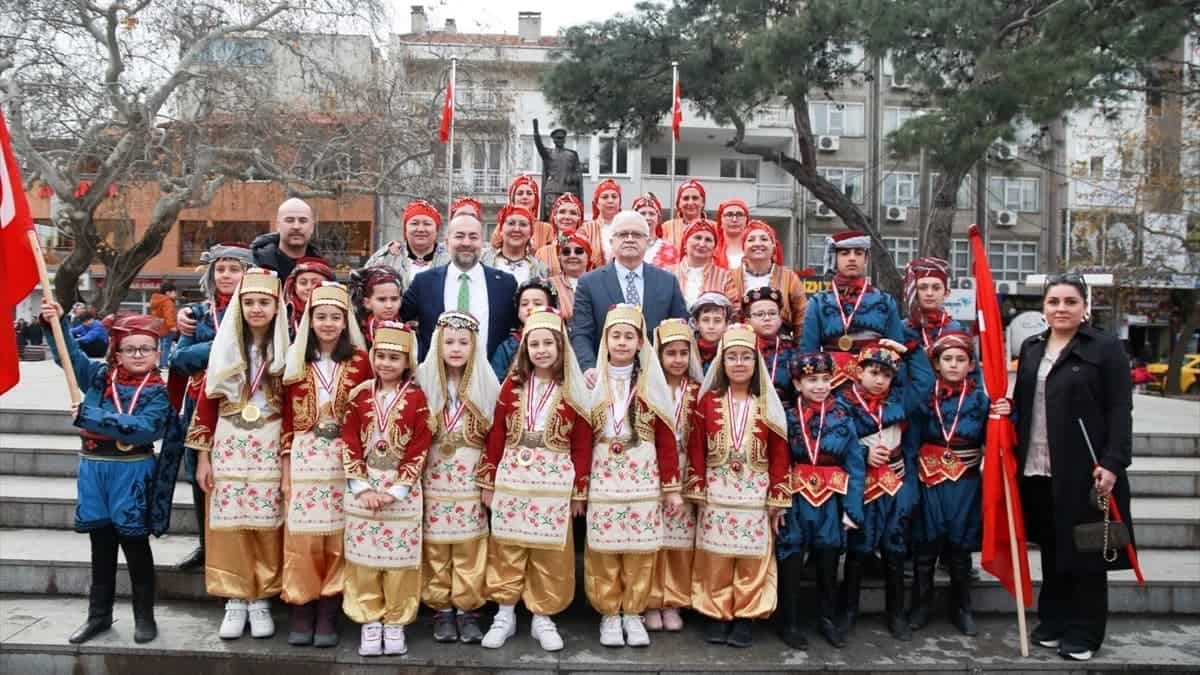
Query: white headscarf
{"points": [[574, 389], [651, 384], [479, 388], [227, 367], [770, 408], [297, 365]]}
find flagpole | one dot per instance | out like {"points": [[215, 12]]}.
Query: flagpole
{"points": [[450, 144], [674, 88], [60, 342], [1016, 560]]}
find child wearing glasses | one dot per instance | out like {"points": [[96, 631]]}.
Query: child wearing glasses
{"points": [[124, 410], [764, 312]]}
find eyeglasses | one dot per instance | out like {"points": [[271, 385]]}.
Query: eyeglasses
{"points": [[635, 235], [763, 315], [1070, 278], [137, 352], [573, 251]]}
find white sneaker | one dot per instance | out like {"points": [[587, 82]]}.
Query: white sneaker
{"points": [[393, 641], [234, 623], [610, 632], [1084, 655], [545, 632], [371, 642], [503, 627], [635, 631], [653, 620], [261, 623]]}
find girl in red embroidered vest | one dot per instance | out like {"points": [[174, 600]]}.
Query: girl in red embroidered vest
{"points": [[635, 464], [375, 293], [671, 585], [387, 437], [236, 431], [738, 472], [328, 359], [534, 478], [462, 393]]}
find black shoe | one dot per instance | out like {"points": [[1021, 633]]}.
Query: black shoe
{"points": [[961, 614], [301, 632], [893, 593], [99, 618], [325, 631], [1073, 651], [850, 589], [741, 635], [827, 564], [716, 632], [469, 632], [145, 628], [793, 637], [194, 560], [444, 628], [922, 590], [1044, 636], [787, 616], [832, 634]]}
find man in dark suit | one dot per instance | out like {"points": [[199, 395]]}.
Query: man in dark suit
{"points": [[626, 279], [465, 285]]}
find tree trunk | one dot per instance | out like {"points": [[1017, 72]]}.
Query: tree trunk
{"points": [[123, 268], [937, 235], [1191, 321], [66, 277]]}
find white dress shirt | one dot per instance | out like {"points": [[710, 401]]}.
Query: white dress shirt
{"points": [[694, 285], [606, 240], [623, 280], [479, 296]]}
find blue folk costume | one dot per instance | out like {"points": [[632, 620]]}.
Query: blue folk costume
{"points": [[827, 476], [503, 357], [777, 350], [850, 315], [121, 416], [951, 439], [189, 361], [922, 327], [890, 491]]}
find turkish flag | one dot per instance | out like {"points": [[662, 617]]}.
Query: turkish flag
{"points": [[999, 464], [18, 268], [676, 112], [447, 112]]}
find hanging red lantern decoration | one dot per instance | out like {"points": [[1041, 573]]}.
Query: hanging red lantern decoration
{"points": [[82, 188]]}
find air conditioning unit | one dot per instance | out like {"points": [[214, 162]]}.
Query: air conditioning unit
{"points": [[965, 283], [900, 82], [896, 214], [823, 211], [1004, 218], [828, 143], [1003, 152]]}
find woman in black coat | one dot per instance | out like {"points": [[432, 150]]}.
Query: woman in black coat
{"points": [[1069, 373]]}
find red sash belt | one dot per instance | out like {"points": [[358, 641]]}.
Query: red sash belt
{"points": [[884, 479], [818, 483], [939, 463]]}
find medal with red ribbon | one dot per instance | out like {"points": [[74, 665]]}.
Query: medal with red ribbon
{"points": [[618, 419], [937, 409], [121, 445], [737, 427], [679, 404], [251, 412], [846, 342], [382, 416], [327, 385], [878, 419], [813, 448], [450, 419], [926, 339], [532, 411], [775, 359]]}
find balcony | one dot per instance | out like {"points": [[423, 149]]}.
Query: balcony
{"points": [[469, 103], [479, 181]]}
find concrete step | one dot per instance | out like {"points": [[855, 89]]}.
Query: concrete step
{"points": [[40, 454], [35, 421], [1165, 477], [49, 503], [35, 631], [56, 562]]}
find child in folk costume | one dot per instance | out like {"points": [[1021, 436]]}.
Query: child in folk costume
{"points": [[531, 295], [326, 362], [387, 436], [124, 410], [738, 472], [226, 263], [671, 585], [878, 406], [635, 464], [534, 478], [827, 487], [236, 431], [375, 293], [309, 272], [711, 314], [462, 392], [764, 312], [951, 435]]}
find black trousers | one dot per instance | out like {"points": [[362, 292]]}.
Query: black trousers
{"points": [[1073, 604]]}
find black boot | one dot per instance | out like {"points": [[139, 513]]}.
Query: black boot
{"points": [[99, 618], [827, 564], [787, 619], [195, 559], [145, 628], [851, 585], [302, 617], [922, 591], [893, 593], [961, 614]]}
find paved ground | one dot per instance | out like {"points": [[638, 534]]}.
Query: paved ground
{"points": [[1141, 644]]}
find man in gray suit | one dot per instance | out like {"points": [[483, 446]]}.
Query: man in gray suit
{"points": [[626, 279]]}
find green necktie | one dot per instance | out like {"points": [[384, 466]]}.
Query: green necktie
{"points": [[464, 292]]}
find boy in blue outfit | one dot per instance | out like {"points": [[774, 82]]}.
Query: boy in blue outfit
{"points": [[124, 410]]}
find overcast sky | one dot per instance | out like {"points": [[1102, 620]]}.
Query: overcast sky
{"points": [[500, 16]]}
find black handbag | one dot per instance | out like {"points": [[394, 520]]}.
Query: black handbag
{"points": [[1107, 537]]}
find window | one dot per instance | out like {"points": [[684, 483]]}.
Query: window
{"points": [[900, 189], [894, 118], [834, 118], [739, 168], [486, 159], [614, 156], [815, 255], [659, 165], [848, 181], [963, 199], [1096, 167], [1013, 194], [960, 258], [344, 243], [903, 249], [195, 236], [1013, 260]]}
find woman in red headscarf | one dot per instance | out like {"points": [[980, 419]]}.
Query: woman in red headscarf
{"points": [[310, 272], [763, 266], [523, 192], [689, 208], [468, 205], [696, 272], [420, 250], [514, 255], [660, 253], [732, 218], [606, 203], [566, 216], [574, 258]]}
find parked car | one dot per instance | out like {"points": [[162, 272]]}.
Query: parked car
{"points": [[1189, 374]]}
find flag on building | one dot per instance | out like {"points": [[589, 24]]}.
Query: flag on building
{"points": [[676, 112], [18, 268], [447, 112]]}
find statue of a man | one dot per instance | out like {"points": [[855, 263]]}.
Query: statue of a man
{"points": [[560, 169]]}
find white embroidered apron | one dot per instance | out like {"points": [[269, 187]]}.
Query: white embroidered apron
{"points": [[623, 510], [733, 520], [246, 471], [389, 538], [531, 505], [679, 527], [318, 496], [453, 511]]}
